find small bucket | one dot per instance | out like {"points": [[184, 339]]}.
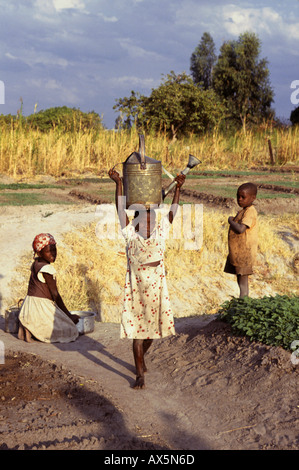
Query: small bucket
{"points": [[86, 321], [12, 319]]}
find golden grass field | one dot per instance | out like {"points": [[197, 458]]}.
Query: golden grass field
{"points": [[25, 152], [91, 271]]}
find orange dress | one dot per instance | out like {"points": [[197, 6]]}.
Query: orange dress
{"points": [[242, 247]]}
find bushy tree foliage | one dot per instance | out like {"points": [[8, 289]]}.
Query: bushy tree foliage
{"points": [[64, 118], [177, 106]]}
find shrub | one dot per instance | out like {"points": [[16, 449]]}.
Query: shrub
{"points": [[294, 117], [273, 321], [65, 119]]}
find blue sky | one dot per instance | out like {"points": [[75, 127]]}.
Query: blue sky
{"points": [[88, 53]]}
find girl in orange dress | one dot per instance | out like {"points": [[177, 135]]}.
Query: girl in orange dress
{"points": [[243, 238]]}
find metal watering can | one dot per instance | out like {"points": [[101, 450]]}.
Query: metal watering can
{"points": [[142, 178]]}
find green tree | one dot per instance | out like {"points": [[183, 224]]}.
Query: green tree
{"points": [[131, 111], [294, 117], [241, 79], [202, 61], [177, 106]]}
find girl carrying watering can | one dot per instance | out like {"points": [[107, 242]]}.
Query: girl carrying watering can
{"points": [[146, 312]]}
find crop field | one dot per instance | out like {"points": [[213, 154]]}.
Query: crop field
{"points": [[26, 152], [61, 166], [216, 188]]}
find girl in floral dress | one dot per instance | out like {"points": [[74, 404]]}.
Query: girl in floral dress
{"points": [[146, 313]]}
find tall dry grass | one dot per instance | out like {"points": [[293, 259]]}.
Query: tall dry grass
{"points": [[27, 152], [91, 271]]}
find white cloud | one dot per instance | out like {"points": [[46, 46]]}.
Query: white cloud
{"points": [[44, 6], [261, 20], [134, 81], [48, 84], [52, 84], [33, 57], [235, 20], [55, 91], [108, 19], [47, 10], [137, 52], [10, 56], [293, 30], [50, 7], [65, 4]]}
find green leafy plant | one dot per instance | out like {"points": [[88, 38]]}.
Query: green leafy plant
{"points": [[270, 320]]}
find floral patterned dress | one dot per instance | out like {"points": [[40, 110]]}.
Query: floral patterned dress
{"points": [[146, 310]]}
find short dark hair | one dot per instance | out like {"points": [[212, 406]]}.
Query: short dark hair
{"points": [[250, 187]]}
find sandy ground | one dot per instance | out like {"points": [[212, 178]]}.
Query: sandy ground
{"points": [[206, 389]]}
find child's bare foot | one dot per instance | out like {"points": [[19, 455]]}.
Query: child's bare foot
{"points": [[28, 336], [139, 382]]}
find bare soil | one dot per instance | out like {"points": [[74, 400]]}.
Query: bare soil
{"points": [[205, 389]]}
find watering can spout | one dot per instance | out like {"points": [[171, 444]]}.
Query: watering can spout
{"points": [[192, 162]]}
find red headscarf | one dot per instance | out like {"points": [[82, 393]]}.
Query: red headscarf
{"points": [[42, 240]]}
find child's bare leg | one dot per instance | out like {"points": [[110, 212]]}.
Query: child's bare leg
{"points": [[28, 336], [146, 345], [25, 334], [138, 357], [243, 285], [21, 332]]}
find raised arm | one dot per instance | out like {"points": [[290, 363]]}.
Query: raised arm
{"points": [[180, 179], [119, 200]]}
